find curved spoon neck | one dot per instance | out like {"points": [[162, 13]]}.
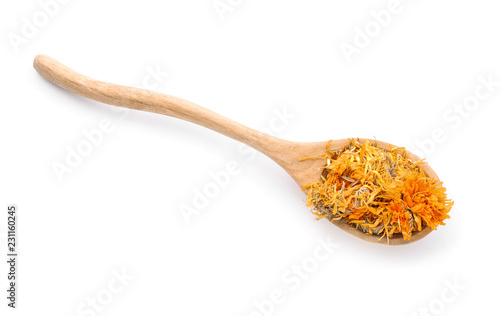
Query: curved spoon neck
{"points": [[145, 100]]}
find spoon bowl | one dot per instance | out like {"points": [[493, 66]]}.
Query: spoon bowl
{"points": [[285, 153], [309, 171]]}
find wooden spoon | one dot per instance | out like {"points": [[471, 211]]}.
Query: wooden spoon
{"points": [[285, 153]]}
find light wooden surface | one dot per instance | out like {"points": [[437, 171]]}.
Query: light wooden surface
{"points": [[285, 153]]}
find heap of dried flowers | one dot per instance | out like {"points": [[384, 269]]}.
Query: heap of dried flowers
{"points": [[378, 191]]}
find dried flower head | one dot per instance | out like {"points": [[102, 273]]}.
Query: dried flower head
{"points": [[378, 191]]}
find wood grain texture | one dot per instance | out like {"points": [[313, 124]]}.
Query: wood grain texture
{"points": [[285, 153]]}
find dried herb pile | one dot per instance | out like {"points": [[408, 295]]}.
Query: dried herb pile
{"points": [[378, 191]]}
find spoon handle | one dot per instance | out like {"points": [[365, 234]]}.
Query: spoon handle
{"points": [[145, 100]]}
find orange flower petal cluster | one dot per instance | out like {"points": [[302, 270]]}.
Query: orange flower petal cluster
{"points": [[378, 191]]}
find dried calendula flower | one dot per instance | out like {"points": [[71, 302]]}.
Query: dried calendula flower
{"points": [[378, 191]]}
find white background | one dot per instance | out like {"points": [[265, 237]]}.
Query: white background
{"points": [[119, 208]]}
